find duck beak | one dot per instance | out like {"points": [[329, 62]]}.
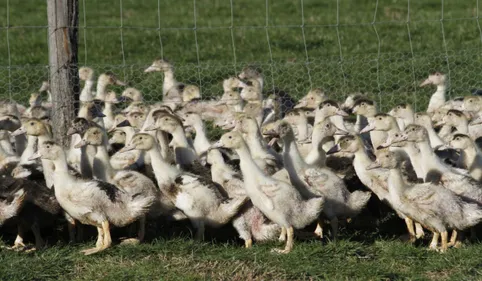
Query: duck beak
{"points": [[334, 149], [151, 68], [439, 123], [302, 103], [35, 156], [354, 109], [271, 133], [341, 112], [18, 132], [81, 144], [122, 99], [368, 128], [124, 123], [120, 83], [386, 144], [151, 127], [217, 144], [71, 131], [126, 148], [443, 147], [373, 165], [241, 84], [476, 121], [426, 82], [340, 132]]}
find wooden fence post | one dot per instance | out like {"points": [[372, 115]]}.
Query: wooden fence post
{"points": [[63, 17]]}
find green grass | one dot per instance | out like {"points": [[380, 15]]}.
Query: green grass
{"points": [[343, 58], [368, 249], [354, 55]]}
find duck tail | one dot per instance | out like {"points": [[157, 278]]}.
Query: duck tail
{"points": [[312, 209], [357, 201], [267, 232], [11, 209], [139, 204], [472, 215], [228, 209]]}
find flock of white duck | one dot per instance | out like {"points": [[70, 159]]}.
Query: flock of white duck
{"points": [[281, 166]]}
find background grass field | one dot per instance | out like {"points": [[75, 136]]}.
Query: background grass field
{"points": [[376, 47]]}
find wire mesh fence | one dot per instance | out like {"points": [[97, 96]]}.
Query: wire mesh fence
{"points": [[381, 49]]}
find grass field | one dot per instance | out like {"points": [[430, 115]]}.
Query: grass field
{"points": [[368, 249], [354, 55]]}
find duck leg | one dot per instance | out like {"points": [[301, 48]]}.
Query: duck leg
{"points": [[334, 228], [98, 245], [444, 241], [419, 231], [71, 227], [39, 242], [289, 242], [282, 236], [141, 232], [18, 244], [434, 243], [199, 236], [453, 239], [319, 228], [411, 230], [103, 231]]}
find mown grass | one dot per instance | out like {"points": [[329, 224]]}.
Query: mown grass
{"points": [[355, 55], [368, 249]]}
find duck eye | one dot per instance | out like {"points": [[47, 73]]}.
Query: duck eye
{"points": [[31, 123], [363, 104], [48, 146], [379, 118], [230, 137], [140, 138], [458, 138], [328, 125]]}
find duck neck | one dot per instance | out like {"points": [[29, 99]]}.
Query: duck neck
{"points": [[169, 80], [396, 185], [7, 147], [164, 172], [435, 140], [201, 134], [302, 126], [179, 138], [414, 155], [109, 111], [86, 93], [469, 155], [248, 166], [254, 142], [408, 119], [20, 144], [317, 155], [431, 161], [101, 86], [29, 150], [102, 156], [291, 156], [438, 98]]}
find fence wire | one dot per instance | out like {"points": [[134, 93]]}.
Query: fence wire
{"points": [[381, 49]]}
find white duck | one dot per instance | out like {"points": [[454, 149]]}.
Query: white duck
{"points": [[277, 200], [92, 202]]}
